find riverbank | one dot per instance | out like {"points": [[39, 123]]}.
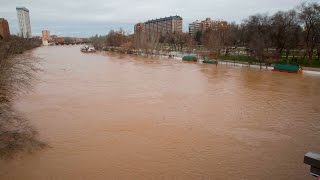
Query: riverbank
{"points": [[310, 69], [17, 71], [175, 54], [17, 45]]}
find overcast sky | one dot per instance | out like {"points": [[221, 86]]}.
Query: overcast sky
{"points": [[89, 17]]}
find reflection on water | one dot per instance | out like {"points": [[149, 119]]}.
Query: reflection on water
{"points": [[110, 116]]}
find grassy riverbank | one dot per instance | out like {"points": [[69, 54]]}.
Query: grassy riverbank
{"points": [[315, 63], [246, 59]]}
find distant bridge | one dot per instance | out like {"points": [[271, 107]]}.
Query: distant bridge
{"points": [[69, 43]]}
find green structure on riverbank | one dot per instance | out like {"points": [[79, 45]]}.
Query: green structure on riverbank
{"points": [[189, 58]]}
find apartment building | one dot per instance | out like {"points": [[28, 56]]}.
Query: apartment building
{"points": [[24, 22], [4, 29], [161, 26]]}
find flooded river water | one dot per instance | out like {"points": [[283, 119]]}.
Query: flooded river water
{"points": [[122, 117]]}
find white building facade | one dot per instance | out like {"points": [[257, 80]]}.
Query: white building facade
{"points": [[24, 22]]}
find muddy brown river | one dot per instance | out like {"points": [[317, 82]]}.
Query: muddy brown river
{"points": [[109, 116]]}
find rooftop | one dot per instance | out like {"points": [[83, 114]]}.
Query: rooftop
{"points": [[3, 19], [22, 8], [164, 19]]}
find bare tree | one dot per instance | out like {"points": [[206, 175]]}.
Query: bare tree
{"points": [[99, 42], [182, 40], [171, 40], [191, 44], [309, 14], [294, 39], [146, 41], [281, 25], [152, 42], [139, 39], [16, 75], [212, 40], [257, 33], [233, 35], [116, 38]]}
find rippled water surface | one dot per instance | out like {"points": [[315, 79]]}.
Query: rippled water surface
{"points": [[109, 116]]}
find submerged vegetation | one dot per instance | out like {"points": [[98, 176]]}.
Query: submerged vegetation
{"points": [[17, 71]]}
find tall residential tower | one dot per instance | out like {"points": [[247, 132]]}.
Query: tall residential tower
{"points": [[24, 22]]}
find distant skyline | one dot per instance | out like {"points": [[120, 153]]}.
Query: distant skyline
{"points": [[83, 18]]}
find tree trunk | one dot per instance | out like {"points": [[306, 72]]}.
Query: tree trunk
{"points": [[260, 62], [287, 55], [310, 55]]}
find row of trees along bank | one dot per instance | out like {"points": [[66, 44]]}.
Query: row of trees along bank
{"points": [[17, 70], [291, 37]]}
